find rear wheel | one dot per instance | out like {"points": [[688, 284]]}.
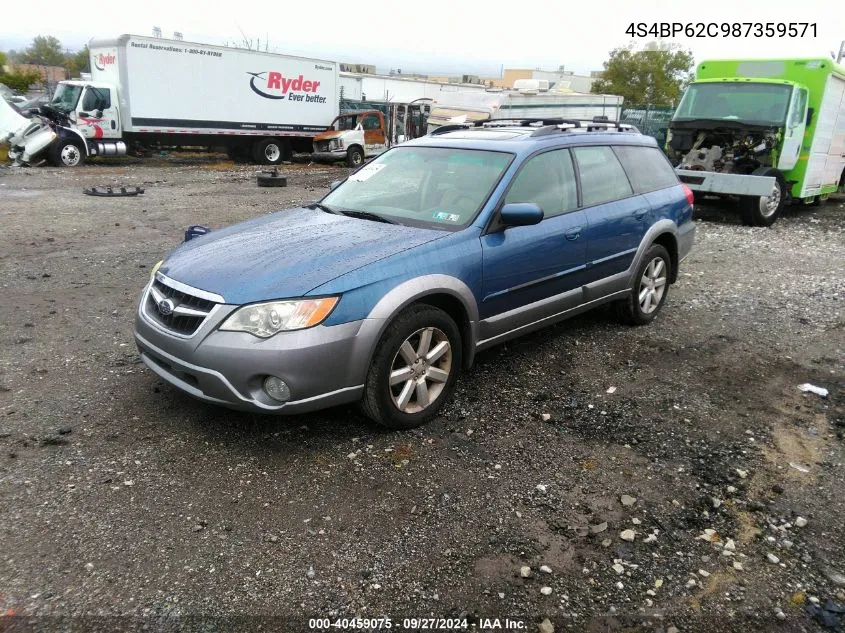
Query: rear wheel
{"points": [[67, 153], [414, 369], [270, 151], [764, 210], [649, 288]]}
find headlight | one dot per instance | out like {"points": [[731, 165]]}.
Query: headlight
{"points": [[337, 143], [155, 269], [266, 319]]}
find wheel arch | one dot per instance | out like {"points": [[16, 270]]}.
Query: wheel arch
{"points": [[64, 133], [448, 293], [670, 243]]}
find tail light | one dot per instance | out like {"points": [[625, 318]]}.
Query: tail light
{"points": [[689, 194]]}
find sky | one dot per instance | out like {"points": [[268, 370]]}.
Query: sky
{"points": [[434, 36]]}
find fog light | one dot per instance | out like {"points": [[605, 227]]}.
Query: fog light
{"points": [[276, 389]]}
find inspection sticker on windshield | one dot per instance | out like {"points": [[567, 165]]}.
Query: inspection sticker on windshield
{"points": [[442, 216], [367, 171]]}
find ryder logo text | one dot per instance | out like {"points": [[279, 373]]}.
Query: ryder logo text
{"points": [[101, 60], [274, 85]]}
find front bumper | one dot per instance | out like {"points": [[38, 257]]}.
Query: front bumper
{"points": [[323, 366], [732, 184], [329, 157]]}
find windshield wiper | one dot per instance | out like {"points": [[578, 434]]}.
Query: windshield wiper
{"points": [[366, 215], [324, 207]]}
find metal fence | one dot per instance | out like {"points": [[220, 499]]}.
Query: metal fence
{"points": [[649, 119]]}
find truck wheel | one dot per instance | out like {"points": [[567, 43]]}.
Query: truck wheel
{"points": [[414, 368], [67, 153], [355, 156], [270, 151], [764, 210]]}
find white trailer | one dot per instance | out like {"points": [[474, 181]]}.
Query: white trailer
{"points": [[472, 107], [150, 92]]}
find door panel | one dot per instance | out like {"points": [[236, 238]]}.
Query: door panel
{"points": [[527, 264], [796, 120], [617, 218], [615, 231], [524, 264]]}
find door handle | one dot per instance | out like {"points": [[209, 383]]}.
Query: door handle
{"points": [[639, 214], [573, 233]]}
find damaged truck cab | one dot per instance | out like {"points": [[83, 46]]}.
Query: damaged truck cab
{"points": [[352, 137], [81, 120], [768, 131]]}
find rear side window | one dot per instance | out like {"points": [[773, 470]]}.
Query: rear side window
{"points": [[647, 168], [547, 180], [602, 176]]}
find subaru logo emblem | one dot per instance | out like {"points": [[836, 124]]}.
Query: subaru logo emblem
{"points": [[166, 307]]}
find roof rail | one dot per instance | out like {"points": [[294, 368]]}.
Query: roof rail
{"points": [[530, 122], [443, 129]]}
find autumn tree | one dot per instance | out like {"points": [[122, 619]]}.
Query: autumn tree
{"points": [[45, 50], [79, 62], [657, 74]]}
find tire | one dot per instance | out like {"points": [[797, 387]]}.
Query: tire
{"points": [[67, 153], [271, 179], [355, 156], [382, 402], [763, 211], [635, 311], [270, 151]]}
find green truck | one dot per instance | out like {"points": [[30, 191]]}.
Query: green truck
{"points": [[769, 131]]}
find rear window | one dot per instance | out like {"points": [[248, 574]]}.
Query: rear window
{"points": [[647, 168]]}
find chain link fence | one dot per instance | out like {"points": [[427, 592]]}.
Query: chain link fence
{"points": [[649, 119]]}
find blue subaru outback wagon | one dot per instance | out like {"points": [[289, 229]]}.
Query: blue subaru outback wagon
{"points": [[385, 289]]}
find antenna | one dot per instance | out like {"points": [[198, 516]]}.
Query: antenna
{"points": [[156, 31]]}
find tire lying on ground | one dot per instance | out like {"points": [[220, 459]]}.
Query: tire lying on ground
{"points": [[271, 179]]}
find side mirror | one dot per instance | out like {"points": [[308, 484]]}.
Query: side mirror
{"points": [[98, 114], [521, 214], [809, 117], [334, 185]]}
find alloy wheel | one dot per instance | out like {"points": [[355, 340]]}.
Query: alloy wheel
{"points": [[652, 285], [420, 370]]}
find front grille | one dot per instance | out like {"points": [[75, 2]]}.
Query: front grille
{"points": [[322, 146], [188, 312]]}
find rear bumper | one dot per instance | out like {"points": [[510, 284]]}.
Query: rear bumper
{"points": [[686, 237], [731, 184]]}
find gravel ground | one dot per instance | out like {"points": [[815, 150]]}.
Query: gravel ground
{"points": [[664, 478]]}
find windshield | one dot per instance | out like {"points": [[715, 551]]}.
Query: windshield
{"points": [[430, 187], [66, 97], [733, 101]]}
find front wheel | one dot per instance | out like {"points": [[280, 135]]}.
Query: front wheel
{"points": [[355, 156], [67, 153], [649, 288], [764, 210], [414, 369]]}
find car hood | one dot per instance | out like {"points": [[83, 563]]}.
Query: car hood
{"points": [[330, 134], [10, 121], [286, 254]]}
